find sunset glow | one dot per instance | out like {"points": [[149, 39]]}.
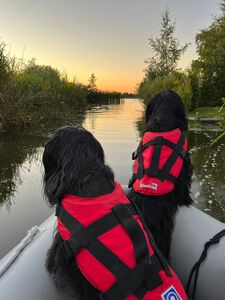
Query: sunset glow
{"points": [[107, 38]]}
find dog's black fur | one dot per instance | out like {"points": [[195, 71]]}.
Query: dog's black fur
{"points": [[165, 112], [73, 164]]}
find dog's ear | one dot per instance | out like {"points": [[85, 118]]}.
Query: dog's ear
{"points": [[151, 107], [67, 159], [177, 106], [52, 173]]}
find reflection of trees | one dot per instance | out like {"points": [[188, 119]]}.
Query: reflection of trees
{"points": [[105, 102], [17, 147]]}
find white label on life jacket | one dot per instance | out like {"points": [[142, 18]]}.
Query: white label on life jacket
{"points": [[171, 294], [152, 186]]}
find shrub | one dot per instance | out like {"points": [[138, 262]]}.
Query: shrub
{"points": [[176, 81]]}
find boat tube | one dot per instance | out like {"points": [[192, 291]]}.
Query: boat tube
{"points": [[23, 273]]}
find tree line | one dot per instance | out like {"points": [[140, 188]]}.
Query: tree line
{"points": [[32, 94], [202, 84]]}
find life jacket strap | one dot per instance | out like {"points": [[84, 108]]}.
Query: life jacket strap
{"points": [[160, 175], [95, 247], [163, 261], [145, 272], [156, 155], [153, 170], [134, 230], [158, 141], [135, 281], [82, 236], [177, 151]]}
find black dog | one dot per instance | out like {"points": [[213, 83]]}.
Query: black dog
{"points": [[165, 112], [101, 250], [74, 164]]}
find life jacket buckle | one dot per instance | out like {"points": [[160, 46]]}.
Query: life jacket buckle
{"points": [[134, 155]]}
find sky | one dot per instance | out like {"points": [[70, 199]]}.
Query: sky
{"points": [[106, 37]]}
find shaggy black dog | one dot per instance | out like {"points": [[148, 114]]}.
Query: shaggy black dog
{"points": [[73, 164], [165, 112]]}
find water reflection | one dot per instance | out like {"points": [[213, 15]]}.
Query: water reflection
{"points": [[16, 148], [21, 199], [209, 172], [115, 127]]}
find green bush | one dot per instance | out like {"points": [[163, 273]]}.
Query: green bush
{"points": [[178, 82], [37, 78], [36, 94], [73, 94]]}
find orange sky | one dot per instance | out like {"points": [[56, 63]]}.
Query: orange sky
{"points": [[107, 38]]}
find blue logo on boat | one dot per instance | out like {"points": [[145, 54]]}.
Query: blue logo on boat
{"points": [[171, 294]]}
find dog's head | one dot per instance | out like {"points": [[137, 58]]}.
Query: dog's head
{"points": [[165, 112], [71, 159]]}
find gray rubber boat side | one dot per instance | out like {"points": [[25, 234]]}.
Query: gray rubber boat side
{"points": [[27, 277]]}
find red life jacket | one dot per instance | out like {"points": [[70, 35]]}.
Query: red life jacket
{"points": [[158, 162], [112, 249]]}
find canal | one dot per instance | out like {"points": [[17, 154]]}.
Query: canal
{"points": [[116, 125]]}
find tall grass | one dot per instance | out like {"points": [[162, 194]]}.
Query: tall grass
{"points": [[32, 94]]}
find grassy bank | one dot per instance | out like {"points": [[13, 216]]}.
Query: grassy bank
{"points": [[215, 112], [208, 112]]}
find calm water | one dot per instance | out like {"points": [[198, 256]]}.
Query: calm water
{"points": [[116, 126]]}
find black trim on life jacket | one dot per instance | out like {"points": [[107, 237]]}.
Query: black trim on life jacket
{"points": [[157, 252], [153, 170], [93, 245], [137, 281], [85, 235]]}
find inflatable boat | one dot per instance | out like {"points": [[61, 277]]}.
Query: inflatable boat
{"points": [[23, 274]]}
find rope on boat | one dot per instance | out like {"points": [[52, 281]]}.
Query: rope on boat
{"points": [[6, 262], [195, 270]]}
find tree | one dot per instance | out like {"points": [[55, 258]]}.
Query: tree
{"points": [[166, 50], [209, 68], [161, 73], [92, 87], [178, 82]]}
